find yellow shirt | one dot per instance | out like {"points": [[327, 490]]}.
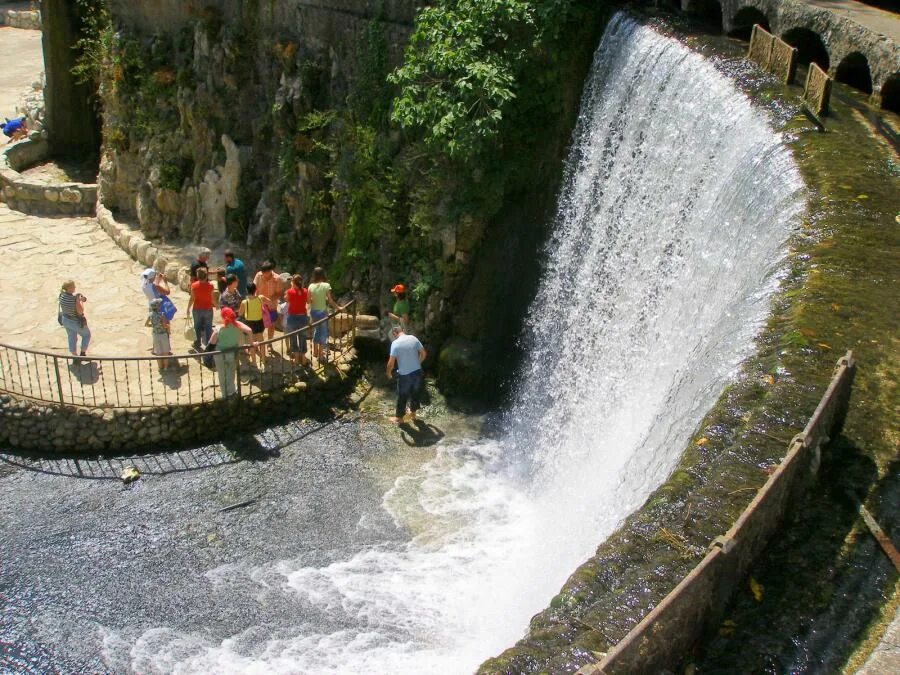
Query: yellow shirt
{"points": [[251, 308]]}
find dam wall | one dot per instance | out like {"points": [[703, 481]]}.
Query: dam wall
{"points": [[698, 603]]}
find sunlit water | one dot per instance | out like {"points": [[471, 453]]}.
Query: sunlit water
{"points": [[677, 204]]}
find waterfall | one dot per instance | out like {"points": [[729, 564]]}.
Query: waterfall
{"points": [[677, 204]]}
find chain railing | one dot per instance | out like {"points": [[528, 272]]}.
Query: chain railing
{"points": [[138, 382]]}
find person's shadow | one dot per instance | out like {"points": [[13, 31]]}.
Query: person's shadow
{"points": [[171, 376], [420, 434], [86, 372]]}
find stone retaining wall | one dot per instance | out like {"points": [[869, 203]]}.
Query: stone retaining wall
{"points": [[29, 19], [38, 198], [26, 425], [665, 635]]}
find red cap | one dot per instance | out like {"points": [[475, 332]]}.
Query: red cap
{"points": [[399, 288]]}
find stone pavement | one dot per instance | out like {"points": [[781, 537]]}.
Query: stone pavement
{"points": [[39, 254], [23, 62]]}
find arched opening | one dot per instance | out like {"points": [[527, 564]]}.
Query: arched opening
{"points": [[854, 71], [890, 93], [746, 17], [707, 13], [810, 48]]}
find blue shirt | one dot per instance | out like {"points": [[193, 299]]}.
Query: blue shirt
{"points": [[11, 126], [406, 350], [237, 269]]}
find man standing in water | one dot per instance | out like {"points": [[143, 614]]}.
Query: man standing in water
{"points": [[407, 353]]}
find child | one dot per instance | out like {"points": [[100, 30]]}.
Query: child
{"points": [[160, 328], [251, 311]]}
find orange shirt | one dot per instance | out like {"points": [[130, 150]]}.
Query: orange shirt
{"points": [[269, 288]]}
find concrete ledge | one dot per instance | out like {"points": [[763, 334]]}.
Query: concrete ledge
{"points": [[39, 198]]}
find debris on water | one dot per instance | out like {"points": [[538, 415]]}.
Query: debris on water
{"points": [[130, 474], [238, 505]]}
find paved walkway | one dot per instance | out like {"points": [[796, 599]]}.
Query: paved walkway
{"points": [[873, 18], [23, 62], [39, 254]]}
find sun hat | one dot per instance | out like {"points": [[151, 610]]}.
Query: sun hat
{"points": [[399, 288], [149, 273], [156, 303]]}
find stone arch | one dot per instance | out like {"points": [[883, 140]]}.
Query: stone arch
{"points": [[706, 12], [810, 48], [743, 21], [890, 93], [853, 70]]}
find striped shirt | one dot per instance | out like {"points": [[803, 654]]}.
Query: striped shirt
{"points": [[67, 305]]}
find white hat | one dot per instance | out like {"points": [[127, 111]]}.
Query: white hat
{"points": [[149, 273]]}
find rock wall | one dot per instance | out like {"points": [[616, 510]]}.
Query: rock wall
{"points": [[239, 122], [27, 425]]}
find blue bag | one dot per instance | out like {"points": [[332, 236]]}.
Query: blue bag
{"points": [[167, 308]]}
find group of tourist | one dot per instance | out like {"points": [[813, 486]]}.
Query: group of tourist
{"points": [[247, 308], [249, 311]]}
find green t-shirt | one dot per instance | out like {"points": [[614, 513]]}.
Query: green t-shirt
{"points": [[318, 295], [229, 338], [401, 308]]}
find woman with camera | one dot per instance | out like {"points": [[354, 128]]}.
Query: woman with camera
{"points": [[71, 317]]}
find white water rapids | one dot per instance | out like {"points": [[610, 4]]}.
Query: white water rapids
{"points": [[678, 201]]}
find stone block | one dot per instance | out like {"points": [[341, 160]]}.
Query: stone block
{"points": [[70, 195], [761, 46], [51, 195], [817, 92], [9, 192], [141, 249], [783, 61], [171, 271]]}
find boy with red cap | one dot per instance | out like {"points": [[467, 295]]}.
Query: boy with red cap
{"points": [[400, 312]]}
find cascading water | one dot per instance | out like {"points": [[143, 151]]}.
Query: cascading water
{"points": [[678, 201]]}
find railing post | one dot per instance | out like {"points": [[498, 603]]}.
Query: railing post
{"points": [[353, 340], [58, 382], [237, 370]]}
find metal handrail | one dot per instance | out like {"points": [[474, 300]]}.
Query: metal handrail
{"points": [[81, 382]]}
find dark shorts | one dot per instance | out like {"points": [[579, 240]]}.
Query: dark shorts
{"points": [[256, 326]]}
